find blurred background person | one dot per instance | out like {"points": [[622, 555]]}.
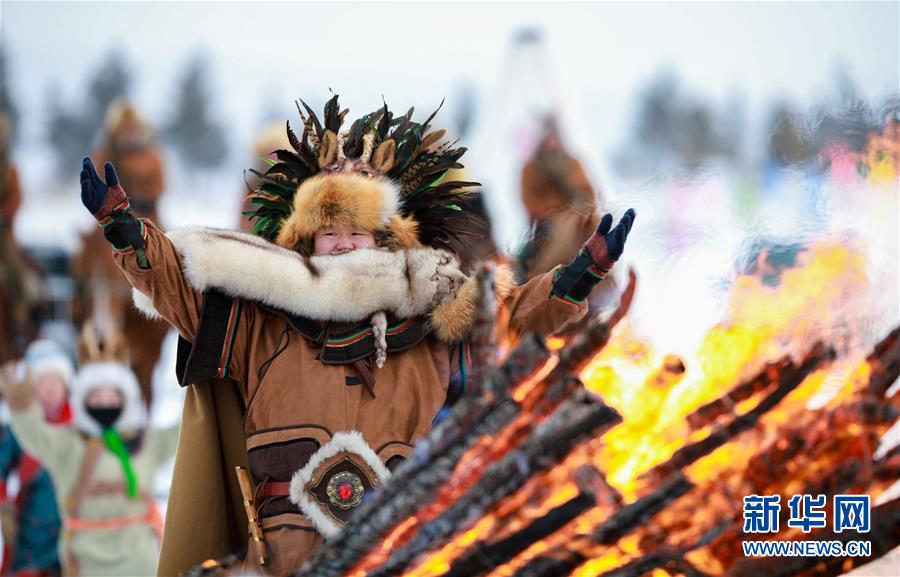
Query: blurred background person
{"points": [[560, 204], [101, 464], [20, 282], [562, 207], [30, 517], [102, 292]]}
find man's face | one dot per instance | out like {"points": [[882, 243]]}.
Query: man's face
{"points": [[341, 239]]}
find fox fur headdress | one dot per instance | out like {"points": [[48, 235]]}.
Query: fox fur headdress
{"points": [[382, 174], [103, 356]]}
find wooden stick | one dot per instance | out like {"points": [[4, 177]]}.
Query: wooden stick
{"points": [[252, 516]]}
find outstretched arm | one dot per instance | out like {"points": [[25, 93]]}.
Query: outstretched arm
{"points": [[148, 258], [57, 447], [548, 301]]}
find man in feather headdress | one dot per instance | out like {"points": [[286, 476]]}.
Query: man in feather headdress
{"points": [[319, 351]]}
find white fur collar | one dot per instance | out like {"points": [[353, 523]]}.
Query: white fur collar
{"points": [[348, 287]]}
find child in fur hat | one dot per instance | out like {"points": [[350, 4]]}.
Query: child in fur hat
{"points": [[320, 350], [101, 465]]}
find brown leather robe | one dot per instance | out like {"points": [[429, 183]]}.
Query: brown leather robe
{"points": [[286, 404]]}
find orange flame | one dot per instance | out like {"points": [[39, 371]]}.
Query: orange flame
{"points": [[819, 298]]}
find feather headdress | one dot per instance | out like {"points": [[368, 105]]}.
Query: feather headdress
{"points": [[382, 173]]}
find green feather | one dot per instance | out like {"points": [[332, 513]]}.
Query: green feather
{"points": [[278, 205]]}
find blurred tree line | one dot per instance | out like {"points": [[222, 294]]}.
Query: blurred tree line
{"points": [[797, 138], [72, 130], [674, 128]]}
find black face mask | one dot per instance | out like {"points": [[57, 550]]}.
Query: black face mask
{"points": [[105, 416]]}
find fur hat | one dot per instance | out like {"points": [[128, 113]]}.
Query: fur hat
{"points": [[103, 353], [45, 356], [108, 374], [382, 174], [122, 112]]}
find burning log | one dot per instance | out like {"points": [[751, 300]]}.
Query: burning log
{"points": [[588, 343], [637, 513], [863, 412], [843, 436], [725, 404], [484, 557], [884, 363], [622, 522], [517, 511], [557, 563], [575, 422], [788, 380], [816, 435], [662, 557], [686, 568]]}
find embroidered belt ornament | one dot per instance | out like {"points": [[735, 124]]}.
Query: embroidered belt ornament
{"points": [[345, 490], [335, 480], [341, 486]]}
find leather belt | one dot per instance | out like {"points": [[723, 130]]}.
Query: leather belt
{"points": [[276, 489]]}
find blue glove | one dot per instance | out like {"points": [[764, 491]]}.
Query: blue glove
{"points": [[606, 246], [595, 259], [102, 198], [109, 204]]}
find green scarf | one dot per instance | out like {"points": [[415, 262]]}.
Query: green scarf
{"points": [[117, 447]]}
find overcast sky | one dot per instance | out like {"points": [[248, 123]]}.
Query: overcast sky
{"points": [[596, 57], [601, 52]]}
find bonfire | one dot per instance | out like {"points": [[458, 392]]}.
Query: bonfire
{"points": [[596, 455]]}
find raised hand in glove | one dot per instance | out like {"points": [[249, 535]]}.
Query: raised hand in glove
{"points": [[109, 204], [101, 198], [606, 246], [595, 259]]}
